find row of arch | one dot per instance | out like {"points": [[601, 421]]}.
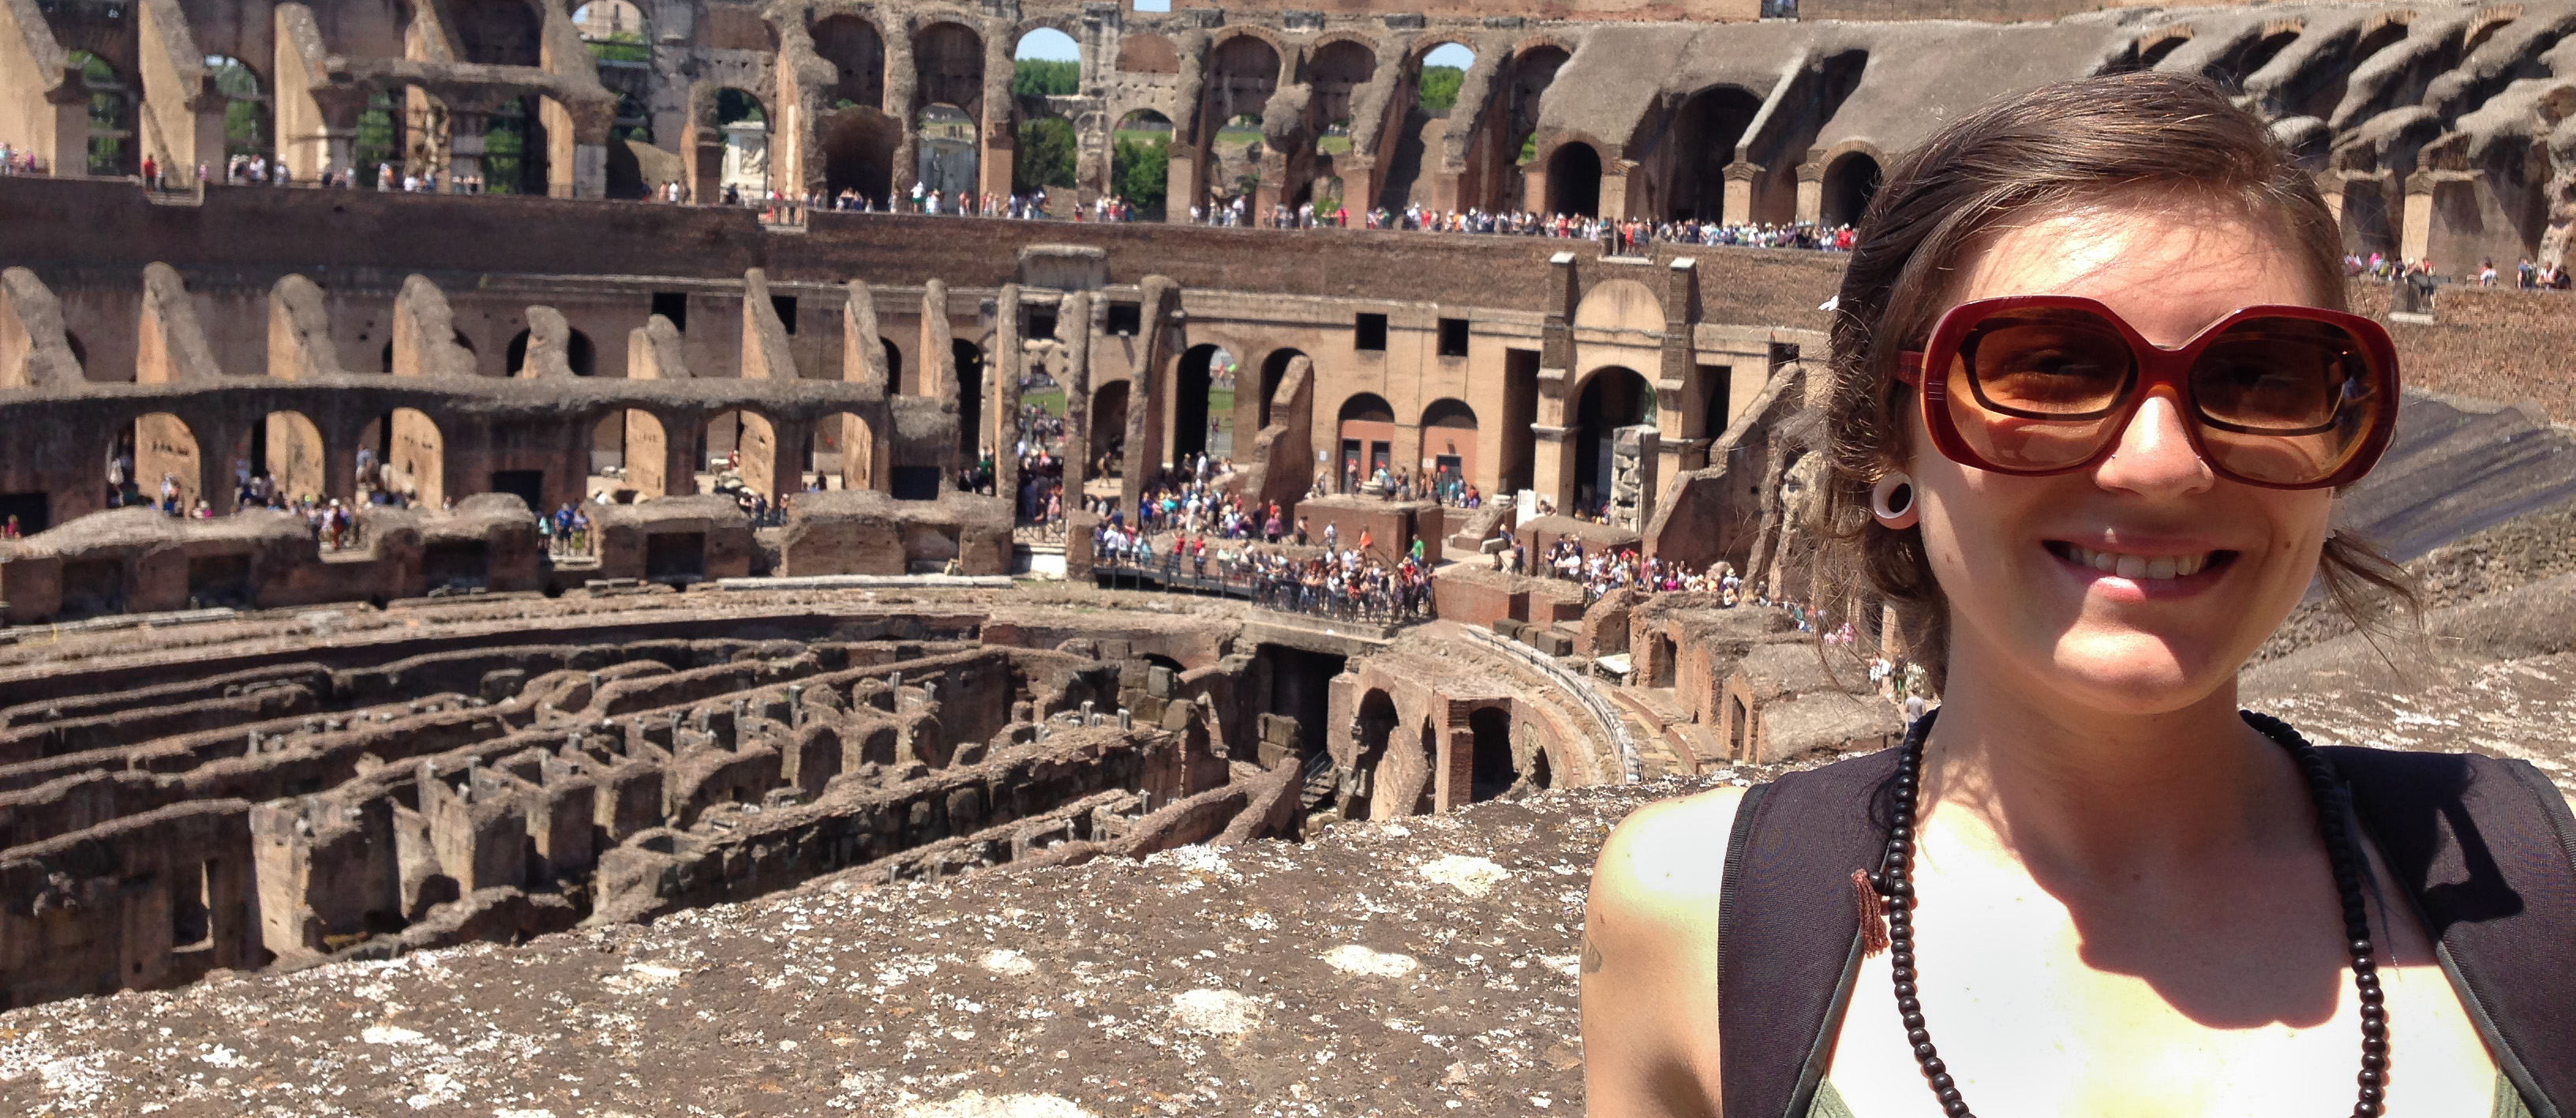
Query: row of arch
{"points": [[157, 459], [1389, 783]]}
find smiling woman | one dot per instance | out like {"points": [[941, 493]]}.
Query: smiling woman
{"points": [[2093, 390]]}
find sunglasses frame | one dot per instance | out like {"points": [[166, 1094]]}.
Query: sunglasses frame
{"points": [[2154, 366]]}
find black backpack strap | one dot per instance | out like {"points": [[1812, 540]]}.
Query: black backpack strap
{"points": [[1788, 940], [2486, 850]]}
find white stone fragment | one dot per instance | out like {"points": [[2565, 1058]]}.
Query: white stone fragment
{"points": [[391, 1034], [1003, 960], [1215, 1011], [977, 1104], [1470, 875], [1351, 958]]}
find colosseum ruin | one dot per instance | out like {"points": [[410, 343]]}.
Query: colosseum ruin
{"points": [[845, 754]]}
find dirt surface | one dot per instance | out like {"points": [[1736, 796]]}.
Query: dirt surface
{"points": [[1421, 967]]}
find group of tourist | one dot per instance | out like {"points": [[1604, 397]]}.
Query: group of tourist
{"points": [[566, 533], [1603, 570], [1621, 235], [1346, 584], [1443, 486], [14, 161]]}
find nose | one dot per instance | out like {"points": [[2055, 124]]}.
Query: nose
{"points": [[2154, 457]]}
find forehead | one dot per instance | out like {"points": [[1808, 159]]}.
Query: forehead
{"points": [[2168, 267]]}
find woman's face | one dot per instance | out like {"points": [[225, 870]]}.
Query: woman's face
{"points": [[2021, 558]]}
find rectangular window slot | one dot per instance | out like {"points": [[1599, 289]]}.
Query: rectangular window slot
{"points": [[1369, 333], [1126, 320], [673, 305], [785, 305], [1453, 337]]}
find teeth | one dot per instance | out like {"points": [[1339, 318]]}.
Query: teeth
{"points": [[2140, 566]]}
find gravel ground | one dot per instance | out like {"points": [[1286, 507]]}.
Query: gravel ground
{"points": [[1420, 967]]}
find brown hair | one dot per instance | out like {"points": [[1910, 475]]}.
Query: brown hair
{"points": [[2056, 146]]}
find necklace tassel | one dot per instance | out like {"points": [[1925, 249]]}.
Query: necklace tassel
{"points": [[1873, 914]]}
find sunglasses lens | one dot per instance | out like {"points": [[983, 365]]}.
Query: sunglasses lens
{"points": [[2286, 401], [2039, 389]]}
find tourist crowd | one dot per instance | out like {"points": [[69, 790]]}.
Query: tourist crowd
{"points": [[1622, 235], [14, 161], [1346, 584]]}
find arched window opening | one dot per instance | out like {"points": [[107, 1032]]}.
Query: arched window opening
{"points": [[1574, 180], [1449, 442], [949, 61], [1704, 138], [1443, 72], [245, 106], [1140, 161], [1109, 430], [1048, 63], [1367, 433], [948, 153], [279, 464], [1203, 405], [1274, 369], [1850, 183], [497, 32], [857, 54], [842, 453], [111, 116], [1612, 398], [615, 31]]}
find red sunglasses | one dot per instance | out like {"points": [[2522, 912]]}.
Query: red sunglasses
{"points": [[2281, 397]]}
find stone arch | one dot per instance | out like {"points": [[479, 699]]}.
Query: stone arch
{"points": [[1621, 306], [579, 353], [1199, 425], [1609, 398], [284, 447], [2489, 20], [1574, 179], [1336, 70], [842, 451], [948, 64], [1364, 430], [497, 32], [1376, 720], [415, 454], [1274, 369], [1449, 433], [950, 152], [1426, 795], [115, 103], [1108, 428], [162, 445], [246, 106], [743, 442], [859, 145], [1705, 133], [612, 21], [643, 452], [2241, 61], [1521, 85], [2153, 46], [1852, 176], [1242, 73], [855, 46]]}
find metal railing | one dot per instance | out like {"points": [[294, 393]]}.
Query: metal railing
{"points": [[1590, 698]]}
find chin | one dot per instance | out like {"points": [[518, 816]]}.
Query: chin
{"points": [[2134, 672]]}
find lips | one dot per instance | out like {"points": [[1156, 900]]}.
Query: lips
{"points": [[2140, 568]]}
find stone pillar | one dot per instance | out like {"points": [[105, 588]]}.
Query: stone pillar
{"points": [[1149, 387], [425, 133], [2416, 237], [1739, 191], [936, 368], [340, 464], [1552, 466], [680, 464], [1002, 384], [1181, 183], [1811, 192], [1076, 324]]}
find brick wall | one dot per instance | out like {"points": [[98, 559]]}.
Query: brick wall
{"points": [[2500, 344]]}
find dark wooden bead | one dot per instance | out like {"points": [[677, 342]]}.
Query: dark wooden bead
{"points": [[1914, 1021], [1956, 1109], [1949, 1095], [1941, 1082], [1908, 1008], [1918, 1038], [1923, 1050]]}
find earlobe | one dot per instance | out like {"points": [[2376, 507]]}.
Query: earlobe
{"points": [[1892, 501]]}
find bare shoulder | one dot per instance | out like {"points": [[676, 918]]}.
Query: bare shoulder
{"points": [[1669, 853], [1650, 959]]}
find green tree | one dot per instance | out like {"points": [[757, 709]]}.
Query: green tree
{"points": [[1140, 168], [1045, 156], [1038, 77], [1440, 87]]}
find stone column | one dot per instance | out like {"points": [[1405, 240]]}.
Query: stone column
{"points": [[2415, 238], [1077, 322], [680, 464], [1740, 176], [1811, 192], [1552, 465], [1002, 383]]}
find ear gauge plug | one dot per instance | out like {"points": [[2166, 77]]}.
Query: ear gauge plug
{"points": [[1891, 500]]}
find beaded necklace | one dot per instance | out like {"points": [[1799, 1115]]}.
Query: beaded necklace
{"points": [[1894, 886]]}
